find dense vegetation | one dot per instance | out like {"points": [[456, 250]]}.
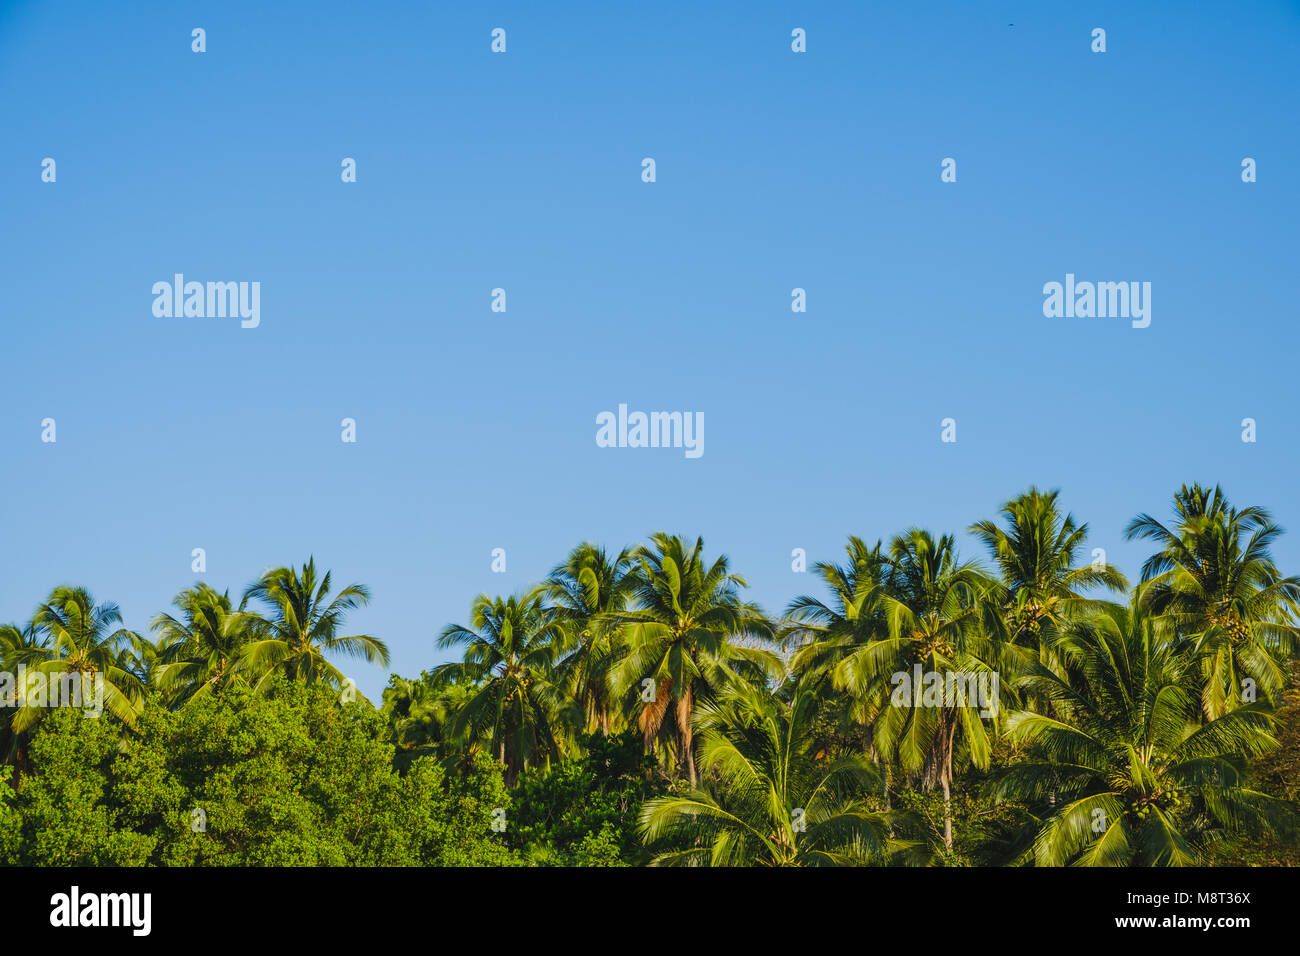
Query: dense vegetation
{"points": [[635, 708]]}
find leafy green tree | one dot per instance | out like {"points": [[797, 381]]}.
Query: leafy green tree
{"points": [[1126, 775], [281, 777], [450, 818], [64, 815], [1215, 579], [511, 649], [768, 800], [683, 636], [583, 811], [11, 826], [304, 625]]}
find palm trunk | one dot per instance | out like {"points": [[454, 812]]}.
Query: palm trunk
{"points": [[685, 706], [22, 765], [889, 807], [651, 719], [945, 771], [947, 815]]}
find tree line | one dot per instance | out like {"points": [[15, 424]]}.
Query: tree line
{"points": [[635, 707]]}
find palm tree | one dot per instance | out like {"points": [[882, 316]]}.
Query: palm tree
{"points": [[85, 643], [19, 647], [420, 715], [202, 650], [682, 637], [511, 649], [1143, 782], [1038, 555], [584, 591], [139, 657], [824, 634], [1216, 581], [834, 639], [303, 628], [933, 607], [770, 801]]}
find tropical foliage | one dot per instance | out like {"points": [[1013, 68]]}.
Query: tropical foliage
{"points": [[1023, 706]]}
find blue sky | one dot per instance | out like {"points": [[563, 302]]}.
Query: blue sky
{"points": [[522, 170]]}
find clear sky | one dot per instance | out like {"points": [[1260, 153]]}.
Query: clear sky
{"points": [[775, 170]]}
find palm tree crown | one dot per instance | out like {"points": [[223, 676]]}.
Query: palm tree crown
{"points": [[1215, 580], [304, 625], [770, 801], [680, 641], [511, 647], [202, 650], [1143, 782]]}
